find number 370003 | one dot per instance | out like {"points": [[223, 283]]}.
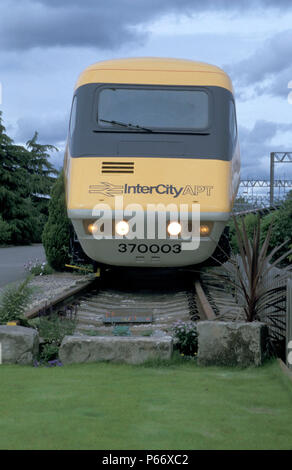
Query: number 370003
{"points": [[143, 248]]}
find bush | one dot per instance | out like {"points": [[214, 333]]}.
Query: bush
{"points": [[49, 352], [39, 221], [250, 221], [14, 301], [186, 337], [259, 289], [282, 226], [52, 329], [56, 234], [36, 268]]}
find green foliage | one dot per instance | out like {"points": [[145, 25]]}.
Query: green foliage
{"points": [[282, 226], [250, 221], [186, 337], [281, 220], [49, 352], [13, 302], [121, 330], [259, 289], [38, 269], [42, 270], [256, 281], [56, 234], [252, 274], [39, 167], [147, 333], [5, 232], [26, 176], [54, 328]]}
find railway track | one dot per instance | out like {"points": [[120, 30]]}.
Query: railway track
{"points": [[147, 304], [161, 309]]}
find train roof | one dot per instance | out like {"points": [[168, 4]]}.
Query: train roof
{"points": [[155, 71]]}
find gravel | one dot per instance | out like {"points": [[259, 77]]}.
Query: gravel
{"points": [[45, 288]]}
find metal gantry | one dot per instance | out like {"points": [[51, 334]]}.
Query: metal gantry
{"points": [[258, 183], [255, 199], [277, 157]]}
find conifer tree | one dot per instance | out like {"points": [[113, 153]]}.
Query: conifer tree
{"points": [[15, 205], [42, 177], [41, 170], [26, 179]]}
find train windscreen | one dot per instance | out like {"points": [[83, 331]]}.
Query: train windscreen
{"points": [[163, 109]]}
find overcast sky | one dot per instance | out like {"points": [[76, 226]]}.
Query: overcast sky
{"points": [[45, 44]]}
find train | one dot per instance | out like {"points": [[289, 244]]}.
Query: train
{"points": [[152, 161]]}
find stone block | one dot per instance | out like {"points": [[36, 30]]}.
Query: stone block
{"points": [[231, 343], [18, 345], [129, 349]]}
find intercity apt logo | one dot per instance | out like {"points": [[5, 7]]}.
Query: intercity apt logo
{"points": [[111, 190]]}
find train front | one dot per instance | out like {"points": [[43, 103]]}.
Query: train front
{"points": [[152, 161]]}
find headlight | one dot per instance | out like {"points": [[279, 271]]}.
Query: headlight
{"points": [[122, 228], [205, 229], [92, 228], [174, 228]]}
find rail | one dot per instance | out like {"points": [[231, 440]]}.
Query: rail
{"points": [[91, 302], [204, 307], [64, 298]]}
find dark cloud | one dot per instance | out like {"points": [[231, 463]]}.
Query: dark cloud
{"points": [[255, 147], [194, 4], [103, 24], [51, 128], [44, 44], [269, 68]]}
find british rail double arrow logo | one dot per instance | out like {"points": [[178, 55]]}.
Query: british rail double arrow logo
{"points": [[107, 189]]}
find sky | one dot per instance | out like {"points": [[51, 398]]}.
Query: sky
{"points": [[45, 44]]}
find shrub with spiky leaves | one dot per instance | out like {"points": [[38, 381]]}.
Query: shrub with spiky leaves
{"points": [[258, 285], [254, 278]]}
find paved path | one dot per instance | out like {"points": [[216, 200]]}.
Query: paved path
{"points": [[13, 258]]}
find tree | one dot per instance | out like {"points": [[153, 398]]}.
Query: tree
{"points": [[39, 167], [5, 232], [15, 205], [42, 177], [26, 178]]}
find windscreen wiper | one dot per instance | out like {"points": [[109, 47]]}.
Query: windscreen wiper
{"points": [[124, 124], [146, 129]]}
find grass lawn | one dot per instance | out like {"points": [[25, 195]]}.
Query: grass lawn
{"points": [[115, 406]]}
